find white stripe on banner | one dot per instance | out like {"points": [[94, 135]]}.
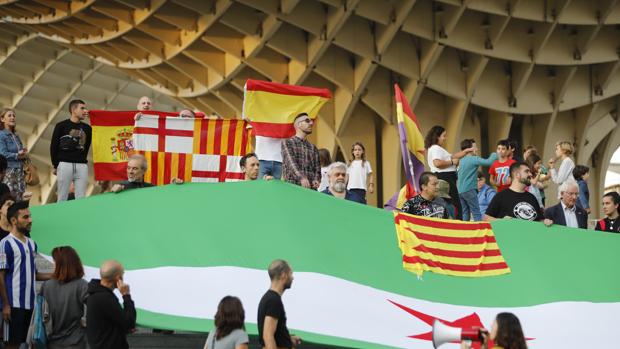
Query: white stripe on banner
{"points": [[177, 144], [331, 306]]}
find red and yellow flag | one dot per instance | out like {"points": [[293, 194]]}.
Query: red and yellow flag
{"points": [[197, 150], [448, 247], [272, 107]]}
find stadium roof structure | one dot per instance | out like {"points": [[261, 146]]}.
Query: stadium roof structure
{"points": [[539, 70]]}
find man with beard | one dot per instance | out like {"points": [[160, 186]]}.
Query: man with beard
{"points": [[515, 202], [136, 167], [18, 275], [300, 158], [272, 330], [337, 174]]}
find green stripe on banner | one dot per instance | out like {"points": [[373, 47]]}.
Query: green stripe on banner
{"points": [[163, 321], [248, 224]]}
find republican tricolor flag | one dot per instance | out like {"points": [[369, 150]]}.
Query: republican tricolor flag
{"points": [[272, 107]]}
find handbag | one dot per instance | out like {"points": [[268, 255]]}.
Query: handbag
{"points": [[37, 336], [31, 174]]}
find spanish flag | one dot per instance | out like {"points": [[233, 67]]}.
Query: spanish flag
{"points": [[448, 247], [272, 107]]}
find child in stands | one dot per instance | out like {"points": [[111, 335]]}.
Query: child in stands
{"points": [[359, 172]]}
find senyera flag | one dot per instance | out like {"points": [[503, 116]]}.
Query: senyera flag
{"points": [[449, 247], [411, 148], [272, 107], [196, 150], [350, 288]]}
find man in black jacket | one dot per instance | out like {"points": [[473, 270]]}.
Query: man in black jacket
{"points": [[567, 213], [69, 151], [107, 324]]}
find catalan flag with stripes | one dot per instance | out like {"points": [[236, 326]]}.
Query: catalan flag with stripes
{"points": [[272, 107], [448, 247], [195, 150]]}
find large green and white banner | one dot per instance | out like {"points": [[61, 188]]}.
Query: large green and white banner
{"points": [[185, 247]]}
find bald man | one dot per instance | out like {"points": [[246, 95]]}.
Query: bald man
{"points": [[108, 322]]}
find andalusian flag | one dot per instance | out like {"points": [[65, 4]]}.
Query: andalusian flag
{"points": [[187, 246], [411, 148], [449, 247], [272, 107]]}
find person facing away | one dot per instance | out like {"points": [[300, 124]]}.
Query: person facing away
{"points": [[536, 188], [485, 193], [566, 212], [18, 275], [337, 174], [359, 172], [107, 322], [443, 197], [300, 158], [66, 294], [515, 202], [581, 174], [229, 332], [563, 151], [467, 179], [272, 330], [325, 159], [500, 169], [71, 140], [6, 201], [422, 204], [611, 209], [506, 333]]}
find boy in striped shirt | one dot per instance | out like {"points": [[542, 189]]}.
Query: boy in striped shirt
{"points": [[18, 275]]}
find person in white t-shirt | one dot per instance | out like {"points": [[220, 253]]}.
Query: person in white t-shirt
{"points": [[269, 152], [443, 164], [359, 172], [325, 160]]}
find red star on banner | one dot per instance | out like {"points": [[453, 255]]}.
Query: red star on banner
{"points": [[471, 320]]}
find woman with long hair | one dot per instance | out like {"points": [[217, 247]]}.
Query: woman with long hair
{"points": [[506, 333], [443, 164], [325, 160], [229, 332], [66, 295], [12, 148], [359, 172]]}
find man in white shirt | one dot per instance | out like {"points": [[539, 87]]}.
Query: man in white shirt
{"points": [[566, 212], [269, 151]]}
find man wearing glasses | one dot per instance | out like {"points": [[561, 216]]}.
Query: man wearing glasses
{"points": [[567, 213], [300, 158]]}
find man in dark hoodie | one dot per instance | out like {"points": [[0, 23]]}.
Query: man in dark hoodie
{"points": [[107, 324]]}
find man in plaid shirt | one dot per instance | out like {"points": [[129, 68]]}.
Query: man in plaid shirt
{"points": [[300, 158]]}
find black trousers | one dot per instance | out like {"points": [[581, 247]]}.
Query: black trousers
{"points": [[451, 177]]}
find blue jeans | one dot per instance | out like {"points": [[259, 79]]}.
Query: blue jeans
{"points": [[469, 202], [272, 168]]}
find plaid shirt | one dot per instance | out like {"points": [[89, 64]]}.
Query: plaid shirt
{"points": [[300, 159]]}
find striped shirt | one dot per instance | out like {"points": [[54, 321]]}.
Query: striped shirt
{"points": [[17, 259]]}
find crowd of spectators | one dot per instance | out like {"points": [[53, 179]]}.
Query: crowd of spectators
{"points": [[454, 188], [518, 186]]}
